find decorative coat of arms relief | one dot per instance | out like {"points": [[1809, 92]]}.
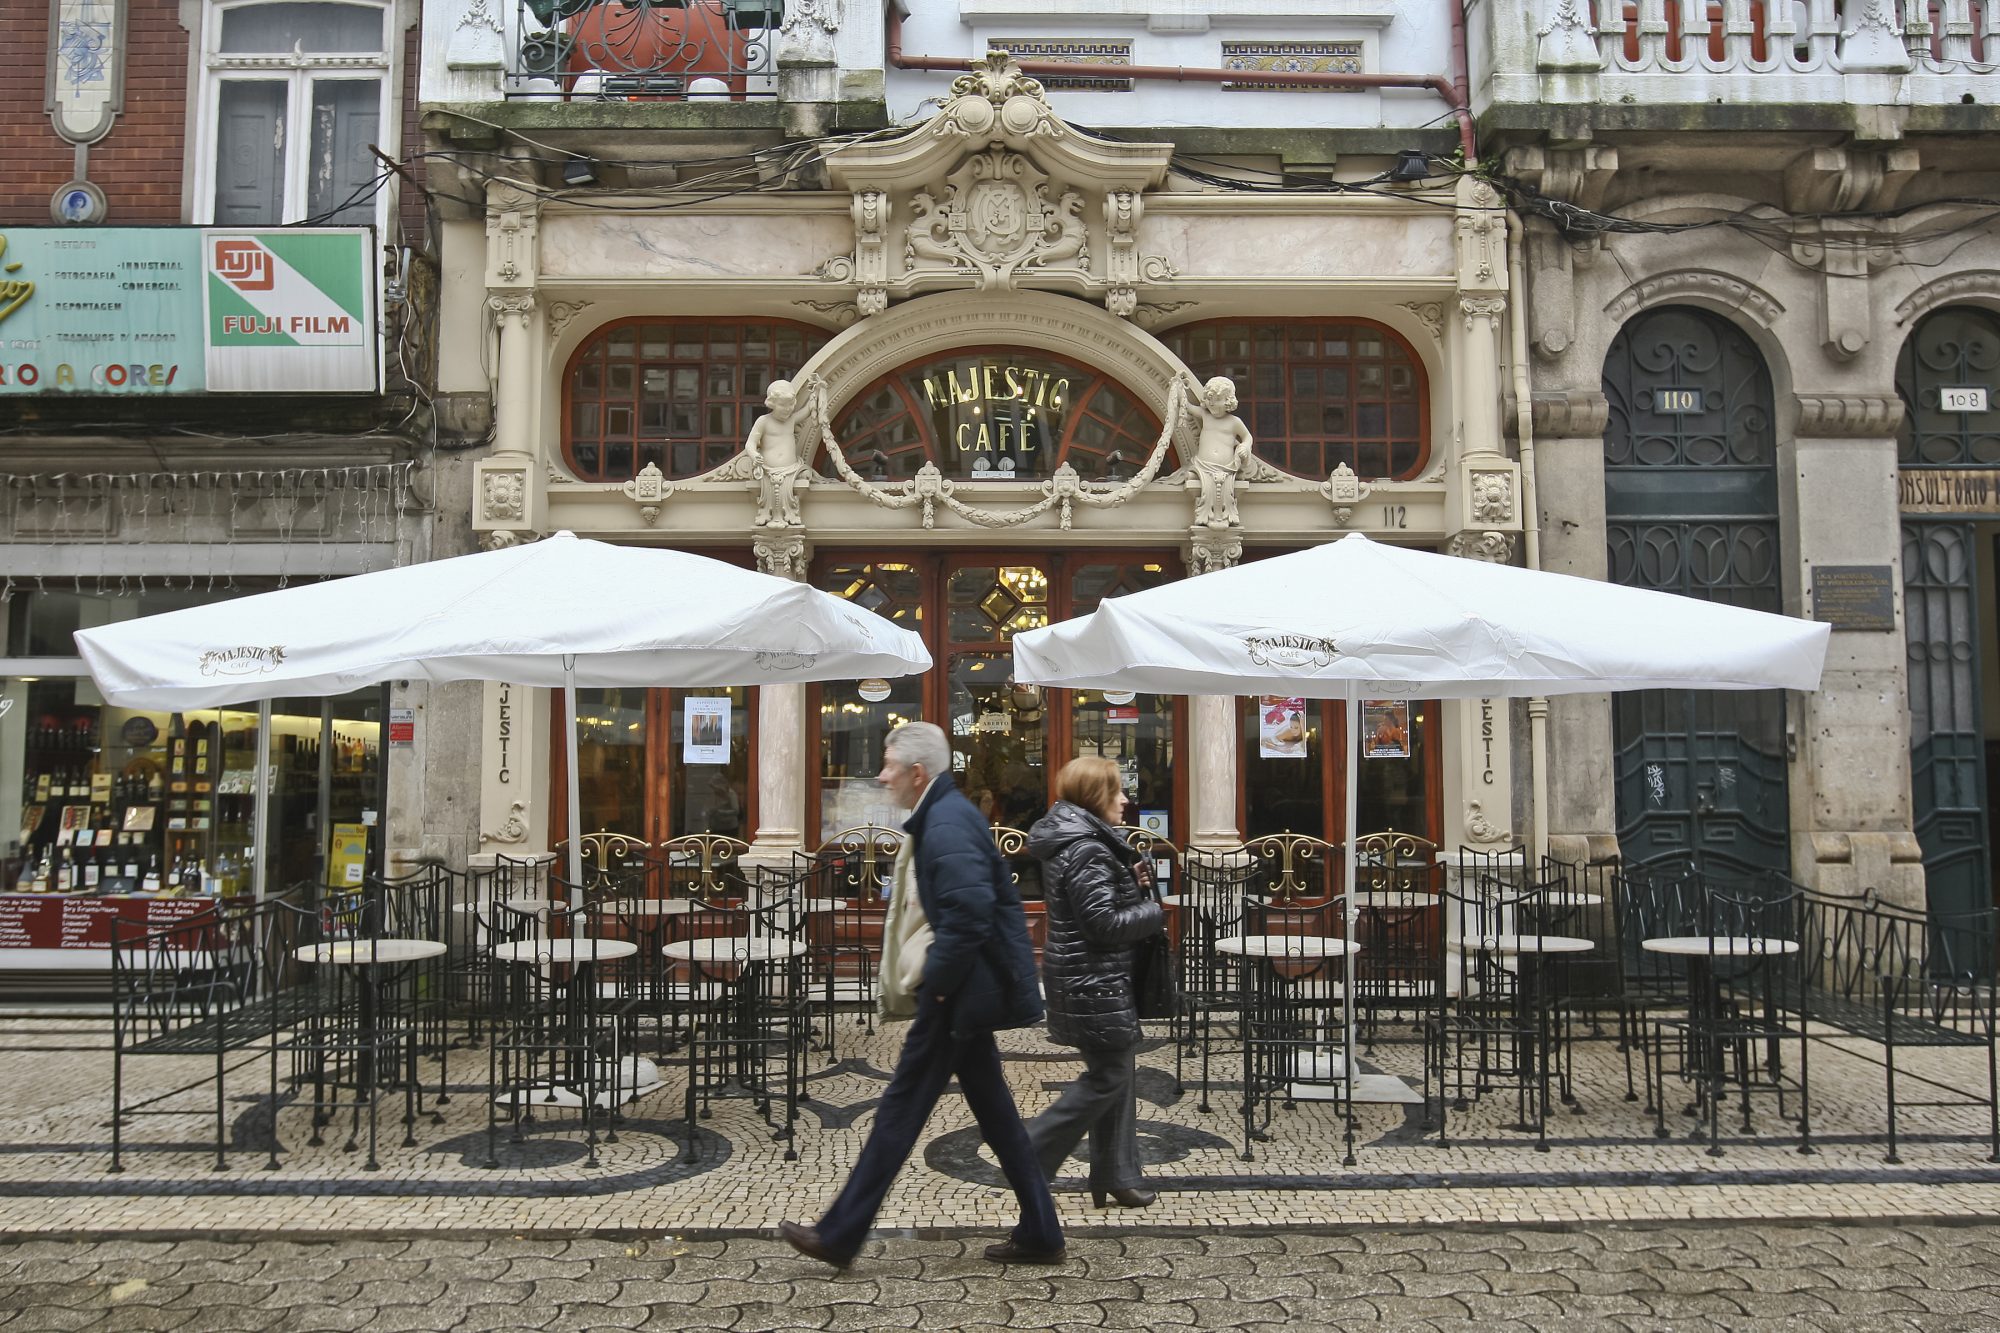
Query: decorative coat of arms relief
{"points": [[996, 192]]}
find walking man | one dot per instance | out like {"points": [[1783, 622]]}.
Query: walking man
{"points": [[978, 977]]}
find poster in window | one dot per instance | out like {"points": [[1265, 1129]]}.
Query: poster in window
{"points": [[1385, 729], [707, 739], [1281, 728]]}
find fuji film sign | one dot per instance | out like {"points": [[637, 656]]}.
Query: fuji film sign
{"points": [[167, 311]]}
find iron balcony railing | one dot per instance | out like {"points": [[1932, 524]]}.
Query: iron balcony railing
{"points": [[645, 50]]}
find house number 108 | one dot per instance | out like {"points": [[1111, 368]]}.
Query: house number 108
{"points": [[1395, 516]]}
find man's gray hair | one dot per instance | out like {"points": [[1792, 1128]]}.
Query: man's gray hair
{"points": [[920, 743]]}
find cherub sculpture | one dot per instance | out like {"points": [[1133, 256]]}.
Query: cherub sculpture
{"points": [[1221, 455], [779, 453]]}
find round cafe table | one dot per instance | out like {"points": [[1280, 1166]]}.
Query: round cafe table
{"points": [[372, 958], [1705, 1004], [1535, 1030]]}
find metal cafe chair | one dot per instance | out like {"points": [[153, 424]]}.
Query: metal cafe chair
{"points": [[1651, 900], [564, 1036], [1213, 888], [360, 1034], [1744, 966], [742, 998], [1507, 1023], [845, 883], [1296, 1010], [1399, 923]]}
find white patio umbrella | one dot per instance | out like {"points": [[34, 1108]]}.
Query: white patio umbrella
{"points": [[560, 612], [1357, 619]]}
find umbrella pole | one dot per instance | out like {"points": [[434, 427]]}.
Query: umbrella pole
{"points": [[575, 784], [1353, 911]]}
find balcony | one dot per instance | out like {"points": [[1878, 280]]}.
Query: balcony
{"points": [[1881, 66], [644, 50]]}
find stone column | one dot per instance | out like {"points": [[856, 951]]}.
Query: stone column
{"points": [[508, 498], [1483, 510], [1851, 815], [1212, 720], [1569, 489], [781, 731]]}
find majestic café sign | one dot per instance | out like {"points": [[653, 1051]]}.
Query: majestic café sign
{"points": [[121, 311], [998, 408]]}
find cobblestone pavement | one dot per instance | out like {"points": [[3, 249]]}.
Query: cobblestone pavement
{"points": [[1605, 1164], [1628, 1278]]}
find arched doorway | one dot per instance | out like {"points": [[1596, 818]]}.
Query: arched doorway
{"points": [[1691, 507], [1948, 376]]}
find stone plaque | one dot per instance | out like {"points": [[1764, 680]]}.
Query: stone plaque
{"points": [[1859, 597]]}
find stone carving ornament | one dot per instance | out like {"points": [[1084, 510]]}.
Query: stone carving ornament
{"points": [[995, 192], [504, 496], [1492, 497], [777, 456]]}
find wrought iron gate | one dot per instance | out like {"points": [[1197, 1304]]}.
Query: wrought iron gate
{"points": [[1691, 503], [1947, 742]]}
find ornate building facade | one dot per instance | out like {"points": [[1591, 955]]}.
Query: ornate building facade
{"points": [[943, 333]]}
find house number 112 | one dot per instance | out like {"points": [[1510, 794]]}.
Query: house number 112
{"points": [[1395, 516]]}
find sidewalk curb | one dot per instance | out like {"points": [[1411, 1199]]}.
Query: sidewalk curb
{"points": [[238, 1236]]}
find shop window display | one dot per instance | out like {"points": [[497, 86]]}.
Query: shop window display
{"points": [[120, 812]]}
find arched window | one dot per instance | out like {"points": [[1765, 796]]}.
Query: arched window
{"points": [[678, 393], [1948, 374], [996, 414], [1319, 393]]}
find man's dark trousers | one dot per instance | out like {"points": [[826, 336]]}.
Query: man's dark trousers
{"points": [[930, 1058]]}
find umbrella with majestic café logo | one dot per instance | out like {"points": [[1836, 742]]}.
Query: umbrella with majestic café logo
{"points": [[560, 612]]}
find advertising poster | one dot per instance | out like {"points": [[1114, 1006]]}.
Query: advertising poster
{"points": [[1281, 728], [347, 855], [707, 739], [1385, 729]]}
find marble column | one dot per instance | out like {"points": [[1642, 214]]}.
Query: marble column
{"points": [[781, 730], [1213, 742]]}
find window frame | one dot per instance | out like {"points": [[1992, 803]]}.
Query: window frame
{"points": [[816, 338], [299, 72], [1176, 341]]}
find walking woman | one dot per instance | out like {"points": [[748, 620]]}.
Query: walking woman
{"points": [[1097, 910]]}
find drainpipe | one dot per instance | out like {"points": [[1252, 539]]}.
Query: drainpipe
{"points": [[1452, 90], [1531, 517]]}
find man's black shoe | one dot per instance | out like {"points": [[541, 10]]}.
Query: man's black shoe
{"points": [[806, 1241], [1013, 1252]]}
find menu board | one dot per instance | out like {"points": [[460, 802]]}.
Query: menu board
{"points": [[35, 921]]}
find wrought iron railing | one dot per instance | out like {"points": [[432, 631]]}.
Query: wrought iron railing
{"points": [[645, 50]]}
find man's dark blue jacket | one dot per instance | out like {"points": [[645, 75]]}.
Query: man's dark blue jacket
{"points": [[980, 957]]}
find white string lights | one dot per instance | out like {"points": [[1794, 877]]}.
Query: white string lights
{"points": [[126, 532]]}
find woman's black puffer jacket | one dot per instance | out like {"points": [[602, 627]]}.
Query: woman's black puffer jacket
{"points": [[1097, 911]]}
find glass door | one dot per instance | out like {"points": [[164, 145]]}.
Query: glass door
{"points": [[1008, 738], [999, 729]]}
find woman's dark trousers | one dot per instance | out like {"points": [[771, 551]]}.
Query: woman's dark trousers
{"points": [[1101, 1104]]}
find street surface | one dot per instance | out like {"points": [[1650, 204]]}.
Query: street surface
{"points": [[1838, 1277]]}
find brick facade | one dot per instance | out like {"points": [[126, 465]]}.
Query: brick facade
{"points": [[137, 165]]}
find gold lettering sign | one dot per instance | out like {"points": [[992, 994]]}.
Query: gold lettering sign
{"points": [[1958, 490], [1022, 393]]}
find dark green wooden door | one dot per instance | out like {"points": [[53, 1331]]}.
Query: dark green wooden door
{"points": [[1691, 502]]}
